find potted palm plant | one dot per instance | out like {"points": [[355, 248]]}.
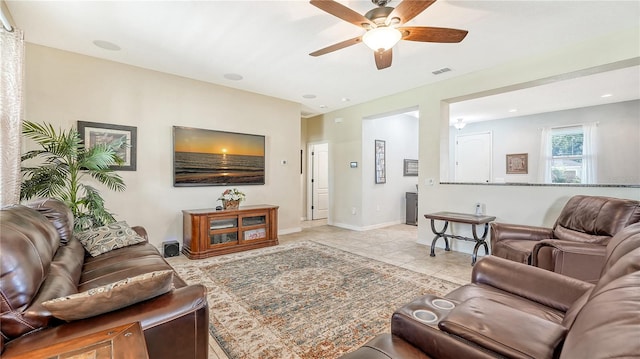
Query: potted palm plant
{"points": [[59, 170]]}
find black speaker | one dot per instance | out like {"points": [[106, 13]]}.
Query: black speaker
{"points": [[170, 248]]}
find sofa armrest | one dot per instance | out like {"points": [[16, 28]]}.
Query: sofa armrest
{"points": [[417, 323], [433, 342], [536, 284], [500, 231], [142, 232], [175, 325], [574, 259], [491, 325]]}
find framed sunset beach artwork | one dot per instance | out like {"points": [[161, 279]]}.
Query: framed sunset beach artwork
{"points": [[216, 158]]}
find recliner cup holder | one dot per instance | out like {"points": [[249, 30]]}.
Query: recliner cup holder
{"points": [[425, 316], [442, 304], [428, 309]]}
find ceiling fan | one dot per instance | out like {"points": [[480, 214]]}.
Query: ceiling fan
{"points": [[384, 28]]}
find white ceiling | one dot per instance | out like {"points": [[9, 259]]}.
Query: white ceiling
{"points": [[597, 89], [268, 42]]}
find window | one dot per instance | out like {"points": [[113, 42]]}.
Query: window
{"points": [[567, 154]]}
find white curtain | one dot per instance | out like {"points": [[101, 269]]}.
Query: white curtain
{"points": [[11, 66], [590, 153], [546, 156]]}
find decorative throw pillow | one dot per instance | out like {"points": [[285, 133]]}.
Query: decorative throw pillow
{"points": [[111, 296], [107, 238]]}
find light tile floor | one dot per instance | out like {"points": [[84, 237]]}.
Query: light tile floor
{"points": [[394, 244]]}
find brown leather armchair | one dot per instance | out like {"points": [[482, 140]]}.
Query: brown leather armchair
{"points": [[575, 246]]}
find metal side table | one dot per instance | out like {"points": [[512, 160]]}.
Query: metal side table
{"points": [[466, 218]]}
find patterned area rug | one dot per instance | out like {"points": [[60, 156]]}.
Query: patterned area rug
{"points": [[302, 300]]}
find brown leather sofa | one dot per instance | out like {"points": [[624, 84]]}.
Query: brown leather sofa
{"points": [[514, 310], [40, 259], [575, 246]]}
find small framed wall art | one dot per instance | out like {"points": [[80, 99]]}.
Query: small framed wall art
{"points": [[93, 133], [410, 168], [381, 169], [518, 163]]}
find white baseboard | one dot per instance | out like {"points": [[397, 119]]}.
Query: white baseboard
{"points": [[367, 228], [289, 230]]}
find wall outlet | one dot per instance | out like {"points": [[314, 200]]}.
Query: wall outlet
{"points": [[353, 211]]}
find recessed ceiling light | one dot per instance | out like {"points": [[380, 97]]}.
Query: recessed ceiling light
{"points": [[233, 77], [513, 110], [346, 99], [323, 106], [309, 96], [106, 45], [606, 95]]}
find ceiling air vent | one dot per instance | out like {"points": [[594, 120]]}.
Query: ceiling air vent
{"points": [[440, 71]]}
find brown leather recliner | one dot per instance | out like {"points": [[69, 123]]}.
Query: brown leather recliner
{"points": [[514, 310], [575, 246]]}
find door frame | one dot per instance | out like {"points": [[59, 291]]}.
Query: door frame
{"points": [[309, 202]]}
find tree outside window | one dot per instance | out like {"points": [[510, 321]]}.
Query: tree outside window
{"points": [[567, 151]]}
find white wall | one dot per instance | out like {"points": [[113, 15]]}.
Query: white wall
{"points": [[62, 88], [535, 205], [618, 145], [384, 203]]}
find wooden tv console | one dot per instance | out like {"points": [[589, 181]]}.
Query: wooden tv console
{"points": [[210, 232]]}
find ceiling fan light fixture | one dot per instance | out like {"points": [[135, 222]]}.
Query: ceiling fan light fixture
{"points": [[381, 38], [459, 124]]}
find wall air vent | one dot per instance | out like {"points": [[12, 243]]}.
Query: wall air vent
{"points": [[440, 71]]}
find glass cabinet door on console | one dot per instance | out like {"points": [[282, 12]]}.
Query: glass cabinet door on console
{"points": [[223, 230], [254, 227], [210, 232]]}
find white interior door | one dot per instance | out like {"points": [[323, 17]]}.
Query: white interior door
{"points": [[320, 181], [473, 158]]}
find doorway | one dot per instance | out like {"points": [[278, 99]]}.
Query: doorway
{"points": [[318, 194]]}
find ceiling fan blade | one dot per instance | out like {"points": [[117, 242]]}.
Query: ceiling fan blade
{"points": [[407, 10], [432, 34], [338, 10], [383, 59], [338, 46]]}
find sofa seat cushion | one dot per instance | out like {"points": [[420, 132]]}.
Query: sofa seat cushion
{"points": [[107, 238], [514, 249], [568, 234], [118, 271], [122, 263], [112, 296], [470, 291]]}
